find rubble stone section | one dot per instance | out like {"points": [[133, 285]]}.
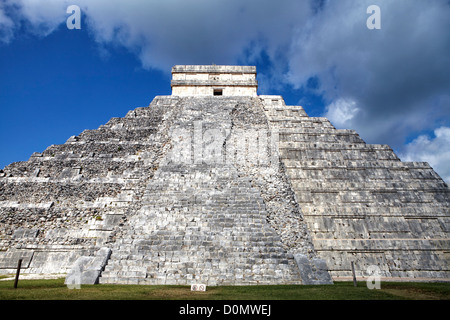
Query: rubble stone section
{"points": [[361, 203]]}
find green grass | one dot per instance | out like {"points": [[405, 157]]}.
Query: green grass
{"points": [[56, 290]]}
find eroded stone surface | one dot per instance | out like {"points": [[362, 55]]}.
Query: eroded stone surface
{"points": [[223, 190]]}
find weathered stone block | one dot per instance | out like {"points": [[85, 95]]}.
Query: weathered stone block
{"points": [[86, 269], [313, 271]]}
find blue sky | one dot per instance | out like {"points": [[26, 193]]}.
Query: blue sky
{"points": [[57, 86], [391, 85]]}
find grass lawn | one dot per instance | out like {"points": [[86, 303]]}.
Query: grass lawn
{"points": [[57, 290]]}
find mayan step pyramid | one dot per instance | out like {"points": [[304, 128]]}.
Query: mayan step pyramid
{"points": [[217, 185]]}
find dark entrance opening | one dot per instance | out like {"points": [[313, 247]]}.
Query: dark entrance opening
{"points": [[218, 92]]}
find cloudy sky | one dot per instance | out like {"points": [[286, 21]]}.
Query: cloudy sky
{"points": [[391, 85]]}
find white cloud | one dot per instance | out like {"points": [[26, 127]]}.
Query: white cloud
{"points": [[435, 151], [164, 33], [6, 26], [41, 17], [394, 74], [341, 112]]}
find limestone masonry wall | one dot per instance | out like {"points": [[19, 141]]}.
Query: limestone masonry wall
{"points": [[214, 80], [223, 190], [360, 202]]}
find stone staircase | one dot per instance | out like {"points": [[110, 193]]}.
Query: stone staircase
{"points": [[200, 221], [200, 224]]}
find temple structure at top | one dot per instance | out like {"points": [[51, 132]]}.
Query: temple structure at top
{"points": [[212, 80]]}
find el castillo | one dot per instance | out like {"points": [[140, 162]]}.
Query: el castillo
{"points": [[218, 185]]}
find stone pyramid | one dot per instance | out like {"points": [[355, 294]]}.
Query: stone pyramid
{"points": [[217, 185]]}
